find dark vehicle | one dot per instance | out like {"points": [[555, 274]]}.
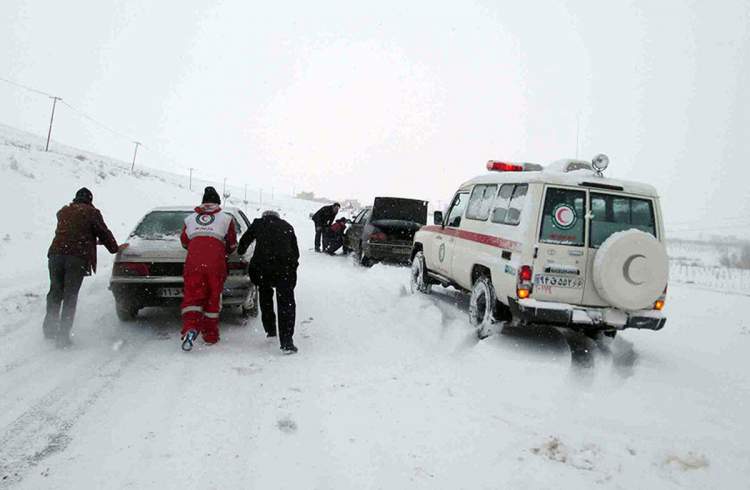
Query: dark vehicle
{"points": [[385, 231]]}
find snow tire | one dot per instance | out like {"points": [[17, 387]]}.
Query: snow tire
{"points": [[482, 307], [126, 312], [420, 282]]}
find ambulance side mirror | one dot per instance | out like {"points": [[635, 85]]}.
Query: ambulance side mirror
{"points": [[437, 218]]}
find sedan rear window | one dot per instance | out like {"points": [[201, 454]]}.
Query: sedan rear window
{"points": [[613, 213], [161, 224]]}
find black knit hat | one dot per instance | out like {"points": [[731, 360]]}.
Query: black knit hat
{"points": [[210, 195], [84, 195]]}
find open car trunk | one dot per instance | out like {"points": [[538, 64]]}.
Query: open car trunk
{"points": [[398, 218]]}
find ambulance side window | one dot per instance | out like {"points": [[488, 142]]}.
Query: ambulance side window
{"points": [[457, 209], [480, 203], [509, 204], [516, 204], [501, 203]]}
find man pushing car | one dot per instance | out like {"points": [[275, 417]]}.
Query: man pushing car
{"points": [[209, 237]]}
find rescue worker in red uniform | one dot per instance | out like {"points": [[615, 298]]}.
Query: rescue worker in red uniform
{"points": [[209, 237]]}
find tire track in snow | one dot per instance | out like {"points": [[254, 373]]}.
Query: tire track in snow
{"points": [[45, 428]]}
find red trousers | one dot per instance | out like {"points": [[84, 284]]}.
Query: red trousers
{"points": [[202, 298]]}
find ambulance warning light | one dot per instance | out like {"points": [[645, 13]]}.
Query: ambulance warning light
{"points": [[503, 166]]}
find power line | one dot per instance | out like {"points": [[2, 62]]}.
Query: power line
{"points": [[30, 89], [98, 123]]}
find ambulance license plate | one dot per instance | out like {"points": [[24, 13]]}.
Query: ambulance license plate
{"points": [[169, 292], [559, 282]]}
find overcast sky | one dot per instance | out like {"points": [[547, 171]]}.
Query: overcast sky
{"points": [[398, 98]]}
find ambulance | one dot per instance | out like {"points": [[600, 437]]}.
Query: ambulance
{"points": [[560, 245]]}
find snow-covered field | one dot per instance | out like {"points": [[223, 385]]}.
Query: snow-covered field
{"points": [[389, 390]]}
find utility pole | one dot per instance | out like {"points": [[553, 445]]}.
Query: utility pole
{"points": [[190, 182], [578, 132], [135, 152], [51, 118], [224, 189]]}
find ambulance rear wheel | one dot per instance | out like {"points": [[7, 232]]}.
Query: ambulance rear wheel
{"points": [[419, 283], [483, 307]]}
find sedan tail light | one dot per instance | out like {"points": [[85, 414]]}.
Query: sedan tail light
{"points": [[130, 269], [378, 236]]}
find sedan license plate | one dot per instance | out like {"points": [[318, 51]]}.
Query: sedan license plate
{"points": [[170, 292]]}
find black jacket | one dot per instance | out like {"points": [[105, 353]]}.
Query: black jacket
{"points": [[324, 216], [276, 250]]}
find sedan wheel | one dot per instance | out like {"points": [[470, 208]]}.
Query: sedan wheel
{"points": [[363, 259], [126, 312]]}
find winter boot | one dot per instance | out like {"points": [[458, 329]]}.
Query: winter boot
{"points": [[188, 339], [288, 348], [62, 341]]}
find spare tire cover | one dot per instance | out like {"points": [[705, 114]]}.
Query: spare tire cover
{"points": [[631, 270]]}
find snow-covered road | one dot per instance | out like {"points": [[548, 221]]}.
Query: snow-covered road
{"points": [[389, 390]]}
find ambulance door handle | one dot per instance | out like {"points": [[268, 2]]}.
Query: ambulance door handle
{"points": [[575, 253]]}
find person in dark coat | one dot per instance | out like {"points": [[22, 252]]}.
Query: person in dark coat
{"points": [[323, 218], [71, 257], [334, 238], [274, 266]]}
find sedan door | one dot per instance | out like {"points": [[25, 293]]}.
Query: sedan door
{"points": [[354, 233]]}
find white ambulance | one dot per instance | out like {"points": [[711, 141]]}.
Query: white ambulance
{"points": [[560, 245]]}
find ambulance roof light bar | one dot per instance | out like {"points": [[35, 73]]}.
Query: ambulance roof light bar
{"points": [[504, 166], [513, 167]]}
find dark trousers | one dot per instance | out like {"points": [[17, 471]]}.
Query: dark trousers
{"points": [[318, 236], [333, 243], [66, 274], [285, 305]]}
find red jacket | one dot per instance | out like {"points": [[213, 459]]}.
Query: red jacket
{"points": [[209, 236], [338, 227]]}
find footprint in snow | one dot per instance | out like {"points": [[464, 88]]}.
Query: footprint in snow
{"points": [[287, 425]]}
